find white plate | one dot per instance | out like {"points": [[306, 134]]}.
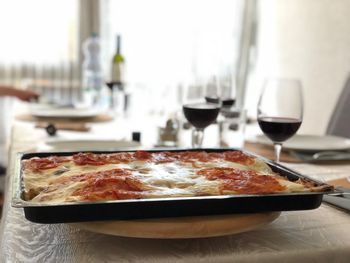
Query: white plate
{"points": [[47, 111], [311, 143], [87, 145]]}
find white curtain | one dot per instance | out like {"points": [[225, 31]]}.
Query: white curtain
{"points": [[40, 45], [39, 49], [169, 45], [165, 43]]}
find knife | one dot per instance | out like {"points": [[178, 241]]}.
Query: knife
{"points": [[331, 155], [339, 199], [321, 156]]}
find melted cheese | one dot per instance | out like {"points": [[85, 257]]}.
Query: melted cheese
{"points": [[158, 180]]}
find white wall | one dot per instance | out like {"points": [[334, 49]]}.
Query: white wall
{"points": [[309, 40]]}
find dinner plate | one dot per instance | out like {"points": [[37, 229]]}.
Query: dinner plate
{"points": [[312, 143], [87, 145], [181, 227], [49, 111]]}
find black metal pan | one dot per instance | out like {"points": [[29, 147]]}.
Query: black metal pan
{"points": [[166, 207]]}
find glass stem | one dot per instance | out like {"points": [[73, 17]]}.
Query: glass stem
{"points": [[197, 137], [278, 148], [221, 131]]}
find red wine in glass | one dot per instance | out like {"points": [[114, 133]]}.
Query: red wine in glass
{"points": [[279, 129], [225, 102], [200, 115], [280, 110]]}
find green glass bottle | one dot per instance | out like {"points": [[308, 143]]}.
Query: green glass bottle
{"points": [[118, 64]]}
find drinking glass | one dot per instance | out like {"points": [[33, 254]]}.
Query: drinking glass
{"points": [[200, 115], [221, 91], [280, 110]]}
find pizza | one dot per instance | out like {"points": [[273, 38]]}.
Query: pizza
{"points": [[90, 177]]}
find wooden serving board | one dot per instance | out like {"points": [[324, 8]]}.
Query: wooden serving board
{"points": [[181, 227], [97, 119]]}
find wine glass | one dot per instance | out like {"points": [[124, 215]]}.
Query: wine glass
{"points": [[280, 110], [220, 92], [200, 115]]}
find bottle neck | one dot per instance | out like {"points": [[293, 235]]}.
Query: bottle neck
{"points": [[118, 45]]}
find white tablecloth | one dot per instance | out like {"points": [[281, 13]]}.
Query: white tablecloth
{"points": [[320, 235]]}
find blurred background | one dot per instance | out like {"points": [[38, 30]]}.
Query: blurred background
{"points": [[172, 49]]}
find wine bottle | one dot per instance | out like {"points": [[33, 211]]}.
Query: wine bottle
{"points": [[119, 97], [118, 62]]}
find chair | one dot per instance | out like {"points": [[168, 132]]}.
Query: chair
{"points": [[339, 123]]}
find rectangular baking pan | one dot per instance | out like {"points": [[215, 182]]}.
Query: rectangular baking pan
{"points": [[165, 207]]}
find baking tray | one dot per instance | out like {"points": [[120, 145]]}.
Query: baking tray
{"points": [[165, 207]]}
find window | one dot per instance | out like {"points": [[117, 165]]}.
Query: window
{"points": [[36, 31], [39, 42], [165, 43], [171, 43]]}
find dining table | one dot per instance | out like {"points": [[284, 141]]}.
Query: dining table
{"points": [[318, 235]]}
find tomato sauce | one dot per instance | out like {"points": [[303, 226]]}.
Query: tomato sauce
{"points": [[122, 157], [238, 157], [37, 164], [89, 159], [161, 157], [113, 173], [243, 182], [107, 185]]}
